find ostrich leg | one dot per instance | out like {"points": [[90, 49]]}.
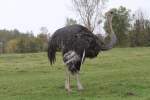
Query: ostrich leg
{"points": [[79, 85], [67, 82]]}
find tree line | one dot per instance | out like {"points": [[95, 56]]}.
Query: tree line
{"points": [[132, 30], [15, 41]]}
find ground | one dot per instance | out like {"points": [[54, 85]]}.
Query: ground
{"points": [[118, 74]]}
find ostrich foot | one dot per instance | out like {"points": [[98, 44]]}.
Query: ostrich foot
{"points": [[68, 88], [80, 87]]}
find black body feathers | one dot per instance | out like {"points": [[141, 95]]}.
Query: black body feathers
{"points": [[73, 41]]}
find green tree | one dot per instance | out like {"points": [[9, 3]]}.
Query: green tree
{"points": [[11, 46], [26, 45], [140, 33], [21, 46], [14, 41], [1, 47], [147, 29], [42, 39]]}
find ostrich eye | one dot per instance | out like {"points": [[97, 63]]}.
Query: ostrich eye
{"points": [[111, 12]]}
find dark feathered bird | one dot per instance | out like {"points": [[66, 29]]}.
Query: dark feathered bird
{"points": [[76, 43]]}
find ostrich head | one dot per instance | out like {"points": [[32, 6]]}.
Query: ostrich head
{"points": [[110, 40], [109, 13]]}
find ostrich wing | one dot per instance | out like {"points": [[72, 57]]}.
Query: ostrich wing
{"points": [[74, 37]]}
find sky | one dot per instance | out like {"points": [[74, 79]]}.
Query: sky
{"points": [[31, 15]]}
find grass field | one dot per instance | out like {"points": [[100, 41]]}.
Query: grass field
{"points": [[118, 74]]}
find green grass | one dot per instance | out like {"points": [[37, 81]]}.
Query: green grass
{"points": [[118, 74]]}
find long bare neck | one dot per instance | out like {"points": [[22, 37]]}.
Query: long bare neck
{"points": [[110, 40], [109, 18]]}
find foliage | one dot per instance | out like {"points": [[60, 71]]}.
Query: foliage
{"points": [[27, 45], [17, 42], [140, 33], [42, 39], [11, 46]]}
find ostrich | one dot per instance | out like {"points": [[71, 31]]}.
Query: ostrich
{"points": [[77, 43]]}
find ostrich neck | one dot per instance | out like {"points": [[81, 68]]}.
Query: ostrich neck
{"points": [[110, 40], [110, 25]]}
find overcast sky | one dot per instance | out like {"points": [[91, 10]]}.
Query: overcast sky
{"points": [[27, 15]]}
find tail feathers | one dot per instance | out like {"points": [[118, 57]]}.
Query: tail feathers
{"points": [[52, 52], [73, 69], [73, 61]]}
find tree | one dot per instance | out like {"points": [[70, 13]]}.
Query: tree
{"points": [[43, 30], [140, 33], [89, 11], [70, 21], [11, 46], [1, 47], [26, 45], [16, 42], [42, 39], [147, 29], [121, 25]]}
